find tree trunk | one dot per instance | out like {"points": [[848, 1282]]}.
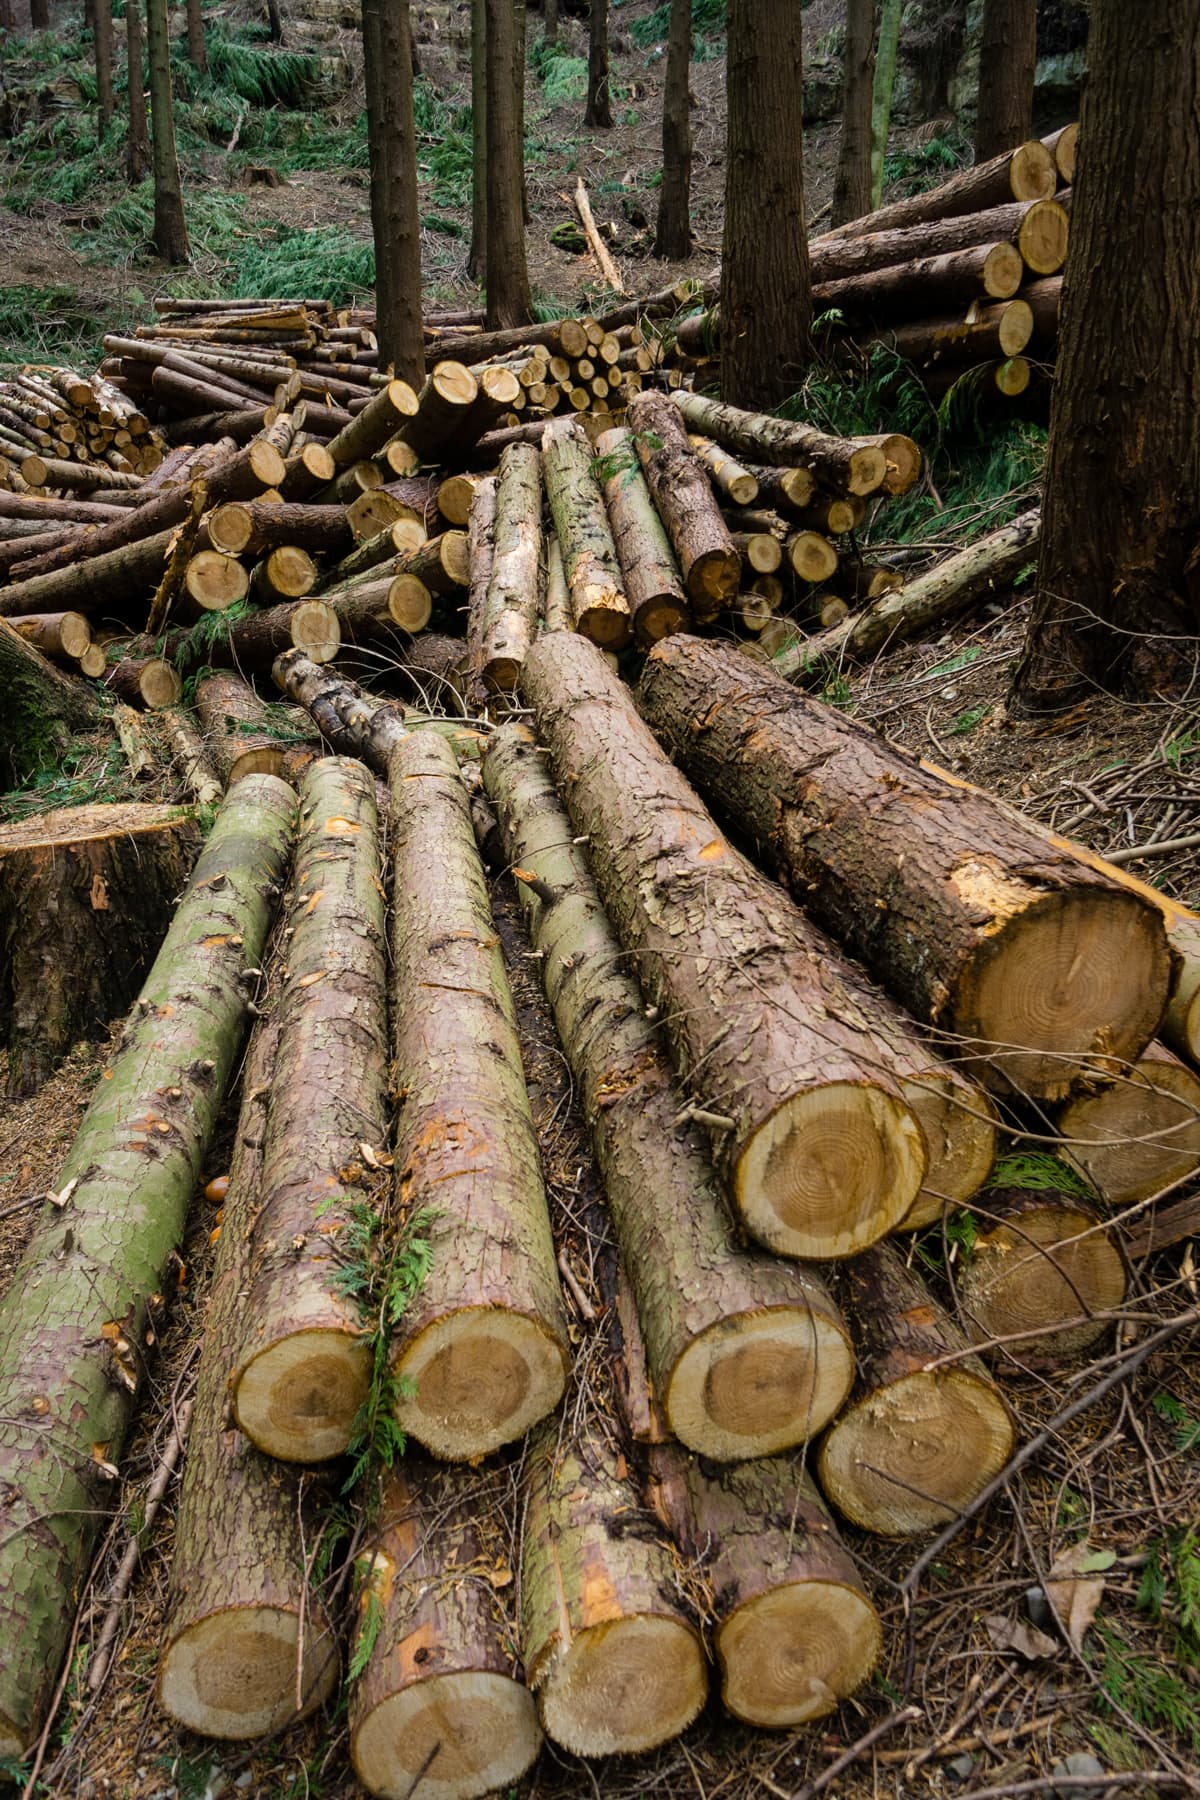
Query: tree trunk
{"points": [[237, 1621], [915, 1445], [926, 285], [395, 211], [794, 1630], [673, 234], [746, 1353], [170, 231], [39, 15], [274, 22], [852, 183], [844, 465], [883, 85], [73, 1318], [686, 503], [599, 606], [353, 725], [1007, 56], [1040, 1261], [615, 1664], [1038, 229], [477, 256], [196, 49], [102, 46], [42, 707], [1111, 607], [819, 1153], [481, 1352], [766, 300], [514, 587], [439, 1691], [302, 1367], [978, 926], [1138, 1136], [550, 25], [509, 298], [86, 895], [653, 587], [235, 721], [599, 94]]}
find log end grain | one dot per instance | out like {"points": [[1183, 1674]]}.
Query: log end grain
{"points": [[215, 581], [233, 1674], [624, 1685], [830, 1171], [316, 631], [1051, 1263], [909, 1456], [959, 1124], [759, 1383], [658, 617], [298, 1398], [866, 470], [409, 603], [793, 1653], [1003, 271], [477, 1378], [1139, 1136], [1031, 172], [455, 1735], [1042, 237]]}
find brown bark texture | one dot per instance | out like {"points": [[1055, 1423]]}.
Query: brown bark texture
{"points": [[509, 297], [653, 585], [170, 230], [599, 605], [852, 181], [599, 96], [514, 587], [683, 496], [235, 729], [1007, 56], [1026, 173], [673, 232], [42, 706], [844, 465], [395, 213], [1039, 227]]}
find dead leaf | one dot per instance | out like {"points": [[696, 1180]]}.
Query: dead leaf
{"points": [[1014, 1634], [1075, 1588]]}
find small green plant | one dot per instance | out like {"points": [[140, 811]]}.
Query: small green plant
{"points": [[968, 720], [709, 18], [837, 691], [1039, 1172], [913, 171], [1187, 1429], [961, 660], [564, 78]]}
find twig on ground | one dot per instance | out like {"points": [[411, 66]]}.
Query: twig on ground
{"points": [[904, 1715]]}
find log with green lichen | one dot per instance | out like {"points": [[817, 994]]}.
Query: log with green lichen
{"points": [[42, 707]]}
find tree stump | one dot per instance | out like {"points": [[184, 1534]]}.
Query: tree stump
{"points": [[86, 895]]}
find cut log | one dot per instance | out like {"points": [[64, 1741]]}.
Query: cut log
{"points": [[190, 758], [651, 577], [1063, 146], [376, 511], [235, 729], [903, 460], [926, 285], [440, 1705], [147, 681], [985, 333], [1039, 229], [787, 489], [92, 582], [214, 582], [556, 606], [835, 514], [253, 641], [794, 1630], [683, 495], [481, 549], [1031, 958], [1042, 1260], [1026, 173], [1139, 1135], [599, 606], [481, 1352], [819, 1152], [916, 1444], [354, 725], [760, 552], [841, 465], [309, 470], [371, 612], [616, 1666], [86, 895], [810, 556], [1044, 299], [735, 484], [239, 1623], [444, 403], [514, 595], [395, 539], [285, 573], [392, 408], [41, 708], [303, 1365], [248, 527], [747, 1354], [75, 1313], [986, 567]]}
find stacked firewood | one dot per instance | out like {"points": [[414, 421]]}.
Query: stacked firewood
{"points": [[59, 429]]}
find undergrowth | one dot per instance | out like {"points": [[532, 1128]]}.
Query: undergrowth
{"points": [[709, 18]]}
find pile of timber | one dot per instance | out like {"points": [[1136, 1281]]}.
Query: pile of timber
{"points": [[76, 432]]}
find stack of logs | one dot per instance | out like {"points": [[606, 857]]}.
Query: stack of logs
{"points": [[78, 431]]}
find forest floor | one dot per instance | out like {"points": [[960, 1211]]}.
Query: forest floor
{"points": [[998, 1706]]}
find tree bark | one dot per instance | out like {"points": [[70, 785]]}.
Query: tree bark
{"points": [[196, 47], [86, 895], [599, 606], [739, 978], [42, 706], [102, 46], [514, 587], [1038, 229], [766, 298], [477, 256], [302, 1366], [843, 465], [440, 1689], [1007, 57], [170, 231], [387, 413], [395, 210], [615, 1664], [673, 233], [651, 577], [247, 528], [852, 182], [686, 503], [237, 1622], [1138, 1136], [1111, 607], [354, 725], [235, 720], [883, 83], [63, 636], [481, 1352], [481, 550], [73, 1318], [39, 15], [927, 284], [190, 758], [988, 334], [509, 297], [916, 1444], [978, 925]]}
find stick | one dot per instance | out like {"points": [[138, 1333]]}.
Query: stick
{"points": [[1139, 852], [608, 267], [905, 1715], [1057, 1784]]}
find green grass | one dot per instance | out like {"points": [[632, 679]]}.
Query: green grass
{"points": [[926, 166], [708, 23], [563, 77], [323, 263], [60, 325]]}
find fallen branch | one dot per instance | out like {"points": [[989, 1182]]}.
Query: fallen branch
{"points": [[608, 267]]}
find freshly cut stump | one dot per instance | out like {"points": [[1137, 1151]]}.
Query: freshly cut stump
{"points": [[1044, 1264], [234, 1630], [615, 1665], [481, 1352], [1140, 1135], [86, 896], [795, 1632], [747, 1354], [303, 1365], [440, 1706], [915, 1445]]}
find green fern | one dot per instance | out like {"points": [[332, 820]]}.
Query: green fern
{"points": [[1187, 1429], [1039, 1172]]}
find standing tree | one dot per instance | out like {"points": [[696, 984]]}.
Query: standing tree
{"points": [[197, 53], [395, 213], [1114, 605], [102, 46], [766, 293], [509, 298], [852, 184], [599, 94], [673, 238], [137, 144], [881, 91], [1007, 57], [170, 230], [550, 23], [274, 22], [477, 259], [39, 15]]}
